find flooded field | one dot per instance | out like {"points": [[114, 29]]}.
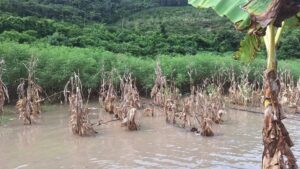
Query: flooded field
{"points": [[50, 144]]}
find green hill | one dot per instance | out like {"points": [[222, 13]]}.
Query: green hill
{"points": [[138, 27], [128, 35]]}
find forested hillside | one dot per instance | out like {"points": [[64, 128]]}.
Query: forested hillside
{"points": [[147, 29], [81, 11], [142, 28]]}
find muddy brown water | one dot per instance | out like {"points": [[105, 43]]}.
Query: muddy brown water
{"points": [[51, 145]]}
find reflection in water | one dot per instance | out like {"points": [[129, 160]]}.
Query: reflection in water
{"points": [[48, 145]]}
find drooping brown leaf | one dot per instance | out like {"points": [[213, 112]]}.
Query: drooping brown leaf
{"points": [[80, 123], [272, 11]]}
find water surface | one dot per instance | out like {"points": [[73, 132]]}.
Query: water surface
{"points": [[51, 145]]}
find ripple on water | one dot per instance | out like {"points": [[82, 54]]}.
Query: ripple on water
{"points": [[22, 166]]}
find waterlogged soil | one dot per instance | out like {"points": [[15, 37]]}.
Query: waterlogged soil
{"points": [[50, 143]]}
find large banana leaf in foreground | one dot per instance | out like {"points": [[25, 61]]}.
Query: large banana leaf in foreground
{"points": [[229, 8], [253, 16], [267, 12]]}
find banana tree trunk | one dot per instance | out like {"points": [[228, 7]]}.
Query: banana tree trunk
{"points": [[276, 139]]}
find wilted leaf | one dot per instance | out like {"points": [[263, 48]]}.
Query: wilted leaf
{"points": [[266, 12], [250, 45], [252, 15]]}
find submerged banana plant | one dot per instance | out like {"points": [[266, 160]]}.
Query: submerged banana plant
{"points": [[3, 89], [80, 123], [264, 20], [130, 102], [29, 103], [159, 85]]}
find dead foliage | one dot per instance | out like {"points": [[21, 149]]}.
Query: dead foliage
{"points": [[124, 108], [171, 99], [242, 92], [289, 93], [129, 103], [202, 109], [79, 121], [199, 112], [3, 89], [107, 94], [29, 103], [210, 108], [276, 139], [245, 93], [275, 12], [157, 92], [149, 112]]}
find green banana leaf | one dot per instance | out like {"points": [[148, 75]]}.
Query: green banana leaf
{"points": [[232, 9], [253, 16]]}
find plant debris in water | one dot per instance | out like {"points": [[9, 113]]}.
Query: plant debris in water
{"points": [[79, 121], [3, 89], [29, 103]]}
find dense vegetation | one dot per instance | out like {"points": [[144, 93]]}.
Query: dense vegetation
{"points": [[76, 11], [55, 64], [148, 33], [125, 34], [141, 28]]}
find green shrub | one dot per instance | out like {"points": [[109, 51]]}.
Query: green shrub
{"points": [[25, 37], [56, 64], [290, 45]]}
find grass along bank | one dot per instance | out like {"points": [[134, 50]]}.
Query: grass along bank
{"points": [[56, 64]]}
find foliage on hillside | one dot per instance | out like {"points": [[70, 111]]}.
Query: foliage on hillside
{"points": [[82, 11], [163, 30], [140, 28], [76, 11]]}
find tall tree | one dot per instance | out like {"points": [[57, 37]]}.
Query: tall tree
{"points": [[264, 21]]}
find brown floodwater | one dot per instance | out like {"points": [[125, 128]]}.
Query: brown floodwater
{"points": [[51, 145]]}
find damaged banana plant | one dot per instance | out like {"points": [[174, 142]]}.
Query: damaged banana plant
{"points": [[264, 21], [242, 92], [3, 89], [80, 123], [107, 94], [29, 103], [171, 99], [209, 106], [157, 91], [289, 92], [200, 111], [129, 103]]}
